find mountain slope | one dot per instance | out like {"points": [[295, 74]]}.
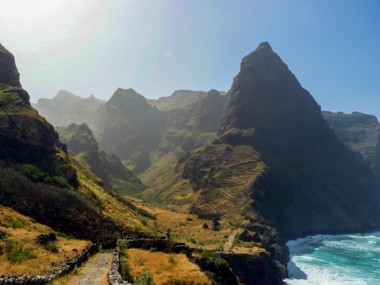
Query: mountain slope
{"points": [[38, 178], [66, 108], [83, 146], [311, 182], [360, 132], [129, 127]]}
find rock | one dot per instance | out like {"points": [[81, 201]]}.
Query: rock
{"points": [[8, 72]]}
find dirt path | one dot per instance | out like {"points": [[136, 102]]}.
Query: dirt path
{"points": [[230, 242], [95, 271]]}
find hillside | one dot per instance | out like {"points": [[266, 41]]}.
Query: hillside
{"points": [[303, 168], [360, 132], [40, 180], [129, 127], [66, 108], [82, 146], [276, 167]]}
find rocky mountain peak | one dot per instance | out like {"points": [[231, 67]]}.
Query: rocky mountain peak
{"points": [[267, 98], [127, 97]]}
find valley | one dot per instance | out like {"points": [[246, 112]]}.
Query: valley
{"points": [[227, 177]]}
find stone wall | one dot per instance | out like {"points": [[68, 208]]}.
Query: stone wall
{"points": [[66, 268], [114, 277]]}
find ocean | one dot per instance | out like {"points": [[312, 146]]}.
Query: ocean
{"points": [[335, 260]]}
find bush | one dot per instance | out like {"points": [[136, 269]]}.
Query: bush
{"points": [[171, 258], [144, 278], [16, 224], [16, 252], [51, 246], [37, 175], [33, 172]]}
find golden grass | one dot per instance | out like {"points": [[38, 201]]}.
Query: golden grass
{"points": [[188, 228], [109, 206], [165, 267], [42, 260]]}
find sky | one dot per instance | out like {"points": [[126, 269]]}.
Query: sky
{"points": [[158, 46]]}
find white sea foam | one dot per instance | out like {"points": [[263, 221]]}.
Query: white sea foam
{"points": [[333, 260]]}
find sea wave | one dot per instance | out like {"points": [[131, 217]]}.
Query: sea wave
{"points": [[335, 259]]}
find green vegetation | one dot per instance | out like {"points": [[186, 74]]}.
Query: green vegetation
{"points": [[16, 253], [37, 175], [52, 246], [16, 224], [143, 278]]}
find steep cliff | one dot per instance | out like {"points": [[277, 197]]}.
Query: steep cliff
{"points": [[360, 132]]}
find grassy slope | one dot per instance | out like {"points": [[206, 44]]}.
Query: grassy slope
{"points": [[24, 230], [165, 267]]}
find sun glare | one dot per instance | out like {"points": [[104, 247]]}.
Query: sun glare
{"points": [[30, 9]]}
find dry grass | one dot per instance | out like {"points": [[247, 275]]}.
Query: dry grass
{"points": [[40, 260], [189, 229], [165, 267], [109, 206]]}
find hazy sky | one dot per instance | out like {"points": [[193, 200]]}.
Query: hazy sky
{"points": [[157, 46]]}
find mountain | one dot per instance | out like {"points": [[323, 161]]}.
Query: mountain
{"points": [[39, 179], [129, 127], [179, 99], [83, 146], [302, 170], [360, 132], [66, 108]]}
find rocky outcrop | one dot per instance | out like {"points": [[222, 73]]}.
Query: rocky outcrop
{"points": [[8, 72], [258, 269], [25, 136]]}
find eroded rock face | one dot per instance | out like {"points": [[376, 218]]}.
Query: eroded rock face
{"points": [[8, 72], [25, 136]]}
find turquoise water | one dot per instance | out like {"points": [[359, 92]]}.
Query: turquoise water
{"points": [[333, 260]]}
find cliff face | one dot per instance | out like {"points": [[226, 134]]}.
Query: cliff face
{"points": [[361, 133], [25, 136], [8, 71]]}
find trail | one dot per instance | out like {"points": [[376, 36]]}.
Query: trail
{"points": [[229, 243], [95, 271]]}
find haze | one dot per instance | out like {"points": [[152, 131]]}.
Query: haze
{"points": [[155, 47]]}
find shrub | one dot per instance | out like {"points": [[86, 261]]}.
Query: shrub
{"points": [[205, 226], [144, 278], [16, 252], [171, 258], [16, 224], [33, 172], [52, 246]]}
